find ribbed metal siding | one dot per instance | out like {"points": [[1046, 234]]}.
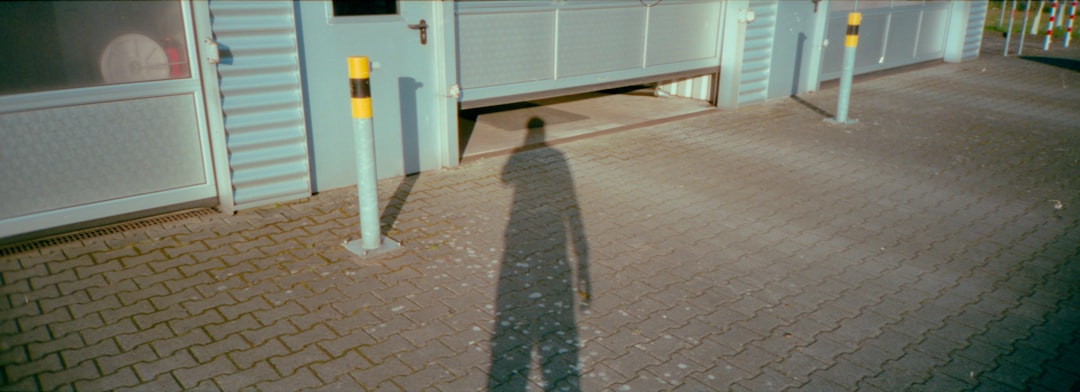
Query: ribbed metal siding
{"points": [[262, 101], [973, 38], [757, 52]]}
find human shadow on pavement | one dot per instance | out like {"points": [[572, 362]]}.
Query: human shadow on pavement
{"points": [[546, 256]]}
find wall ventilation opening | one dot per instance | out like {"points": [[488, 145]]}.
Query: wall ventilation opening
{"points": [[31, 245]]}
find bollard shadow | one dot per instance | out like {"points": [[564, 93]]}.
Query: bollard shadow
{"points": [[797, 77], [410, 151], [539, 280], [814, 108]]}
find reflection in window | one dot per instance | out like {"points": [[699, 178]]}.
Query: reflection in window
{"points": [[53, 45]]}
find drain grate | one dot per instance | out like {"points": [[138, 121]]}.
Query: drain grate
{"points": [[26, 246]]}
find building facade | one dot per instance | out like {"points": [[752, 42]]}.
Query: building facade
{"points": [[238, 104]]}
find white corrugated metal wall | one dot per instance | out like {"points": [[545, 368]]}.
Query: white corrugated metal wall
{"points": [[976, 20], [261, 101], [757, 52]]}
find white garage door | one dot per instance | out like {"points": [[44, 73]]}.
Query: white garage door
{"points": [[515, 50], [892, 34]]}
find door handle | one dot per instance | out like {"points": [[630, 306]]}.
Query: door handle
{"points": [[422, 26]]}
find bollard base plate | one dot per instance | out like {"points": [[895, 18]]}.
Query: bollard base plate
{"points": [[850, 121], [385, 245]]}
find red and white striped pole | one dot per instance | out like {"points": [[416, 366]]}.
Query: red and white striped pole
{"points": [[1050, 26], [1068, 31]]}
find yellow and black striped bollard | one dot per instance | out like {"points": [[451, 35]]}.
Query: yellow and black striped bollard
{"points": [[371, 240], [851, 41]]}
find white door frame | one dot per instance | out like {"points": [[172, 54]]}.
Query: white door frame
{"points": [[206, 58]]}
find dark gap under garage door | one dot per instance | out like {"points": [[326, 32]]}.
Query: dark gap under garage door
{"points": [[498, 130]]}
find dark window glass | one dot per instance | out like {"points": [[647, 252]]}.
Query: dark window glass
{"points": [[364, 7], [55, 45]]}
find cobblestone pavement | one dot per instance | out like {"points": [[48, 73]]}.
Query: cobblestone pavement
{"points": [[932, 246]]}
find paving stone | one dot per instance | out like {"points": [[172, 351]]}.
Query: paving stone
{"points": [[72, 261], [258, 336], [259, 373], [27, 384], [123, 378], [373, 377], [48, 363], [25, 274], [80, 308], [148, 371], [352, 340], [28, 323], [190, 378], [142, 259], [168, 347], [130, 297], [279, 312], [209, 351], [332, 370], [110, 364], [302, 379], [220, 331], [77, 356], [68, 342], [894, 254]]}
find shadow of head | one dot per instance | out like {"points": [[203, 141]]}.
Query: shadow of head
{"points": [[535, 127]]}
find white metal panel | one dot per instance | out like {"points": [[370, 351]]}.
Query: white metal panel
{"points": [[520, 50], [931, 41], [78, 155], [890, 35], [261, 101], [757, 52], [682, 32], [618, 33], [513, 50]]}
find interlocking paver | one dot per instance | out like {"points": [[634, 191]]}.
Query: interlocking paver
{"points": [[300, 380], [70, 374], [167, 347], [110, 364], [128, 336], [163, 383], [190, 378], [207, 352], [48, 363], [258, 336], [752, 249], [148, 371], [259, 373]]}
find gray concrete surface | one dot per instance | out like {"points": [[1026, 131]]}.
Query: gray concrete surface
{"points": [[932, 246]]}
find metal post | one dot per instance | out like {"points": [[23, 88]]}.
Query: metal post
{"points": [[1001, 18], [1008, 33], [1027, 9], [371, 240], [1050, 26], [1060, 15], [1038, 18], [851, 41]]}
